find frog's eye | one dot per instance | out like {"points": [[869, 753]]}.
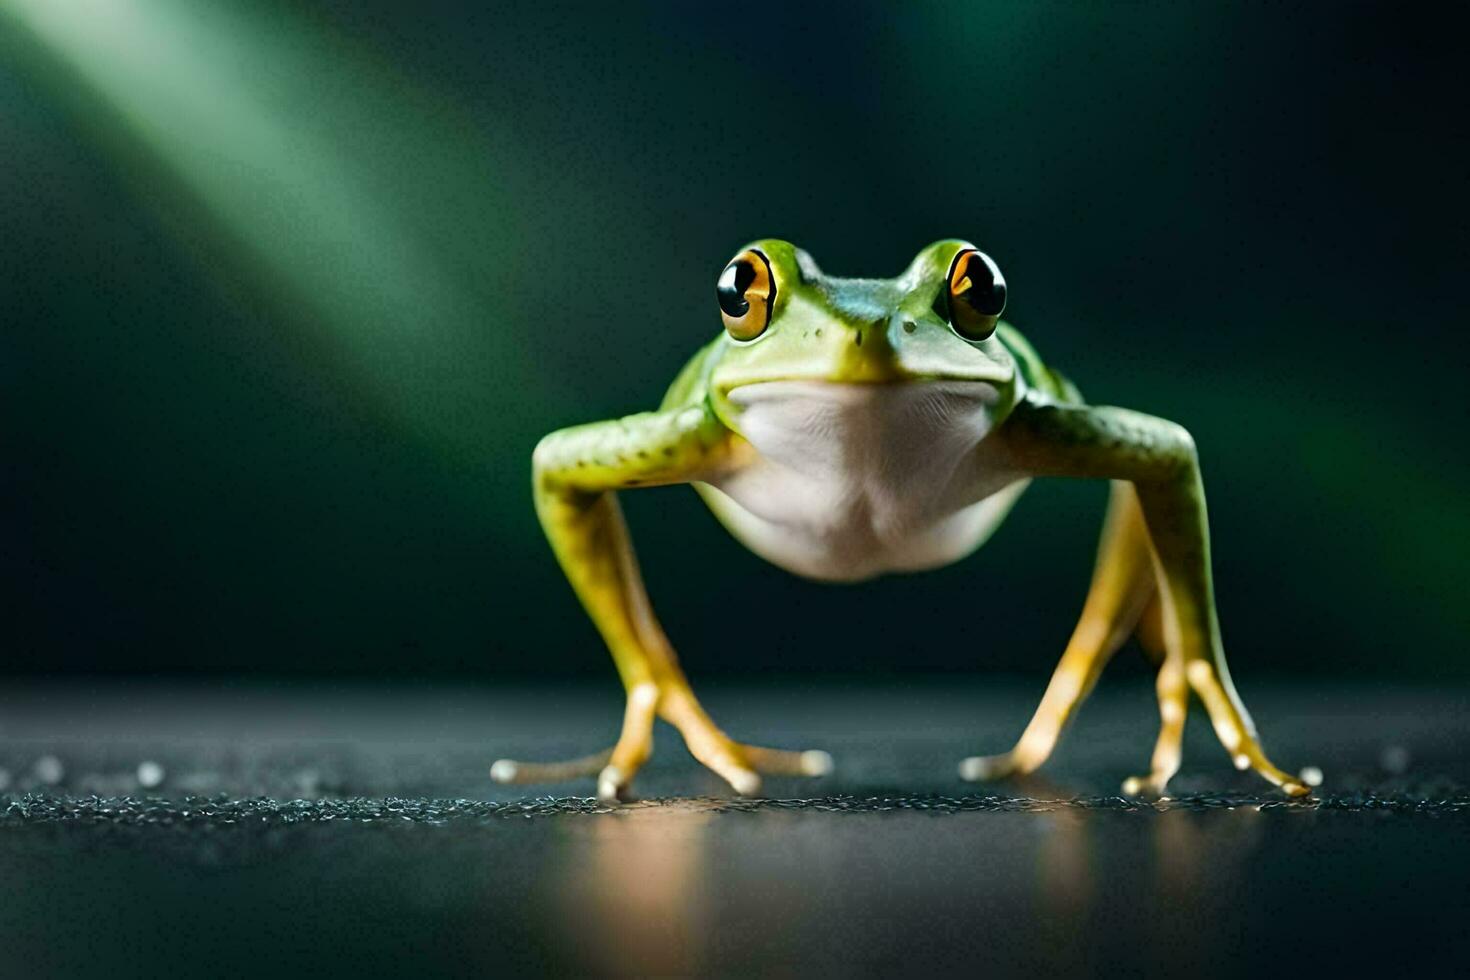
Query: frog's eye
{"points": [[747, 294], [974, 296]]}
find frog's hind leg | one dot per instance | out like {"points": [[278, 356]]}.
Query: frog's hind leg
{"points": [[1122, 585]]}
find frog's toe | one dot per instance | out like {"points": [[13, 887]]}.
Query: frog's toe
{"points": [[614, 781], [1295, 786], [511, 771], [742, 765], [1154, 785], [982, 768], [614, 785], [723, 757], [782, 762], [1236, 733], [738, 764]]}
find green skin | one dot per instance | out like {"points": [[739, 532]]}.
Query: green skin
{"points": [[1153, 571]]}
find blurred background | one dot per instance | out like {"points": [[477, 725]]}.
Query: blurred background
{"points": [[288, 292]]}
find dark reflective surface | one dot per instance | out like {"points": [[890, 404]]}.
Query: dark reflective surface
{"points": [[890, 866]]}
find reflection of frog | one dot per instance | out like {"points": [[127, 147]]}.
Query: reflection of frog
{"points": [[844, 428]]}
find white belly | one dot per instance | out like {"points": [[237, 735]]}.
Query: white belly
{"points": [[853, 480]]}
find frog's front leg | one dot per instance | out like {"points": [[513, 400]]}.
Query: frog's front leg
{"points": [[576, 472], [1159, 458]]}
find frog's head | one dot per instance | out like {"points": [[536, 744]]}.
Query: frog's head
{"points": [[787, 321]]}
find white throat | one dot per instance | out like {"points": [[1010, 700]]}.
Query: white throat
{"points": [[883, 431], [851, 478]]}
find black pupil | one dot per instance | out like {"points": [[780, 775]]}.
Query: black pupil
{"points": [[734, 281], [987, 293]]}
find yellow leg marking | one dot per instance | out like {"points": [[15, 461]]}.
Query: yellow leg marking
{"points": [[1121, 585]]}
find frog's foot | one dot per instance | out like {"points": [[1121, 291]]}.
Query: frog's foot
{"points": [[1234, 729], [734, 762], [1036, 743], [615, 768]]}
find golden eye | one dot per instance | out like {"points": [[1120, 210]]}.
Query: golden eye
{"points": [[975, 296], [747, 294]]}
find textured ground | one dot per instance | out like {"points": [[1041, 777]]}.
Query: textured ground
{"points": [[227, 829]]}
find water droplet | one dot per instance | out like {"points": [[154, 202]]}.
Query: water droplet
{"points": [[49, 770], [150, 775]]}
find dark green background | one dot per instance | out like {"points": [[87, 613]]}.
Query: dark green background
{"points": [[289, 292]]}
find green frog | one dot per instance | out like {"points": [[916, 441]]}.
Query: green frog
{"points": [[849, 428]]}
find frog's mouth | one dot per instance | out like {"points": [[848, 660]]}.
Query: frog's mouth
{"points": [[909, 378]]}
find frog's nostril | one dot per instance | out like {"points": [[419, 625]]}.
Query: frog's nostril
{"points": [[909, 326], [858, 339]]}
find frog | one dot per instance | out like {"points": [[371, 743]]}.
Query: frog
{"points": [[849, 428]]}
